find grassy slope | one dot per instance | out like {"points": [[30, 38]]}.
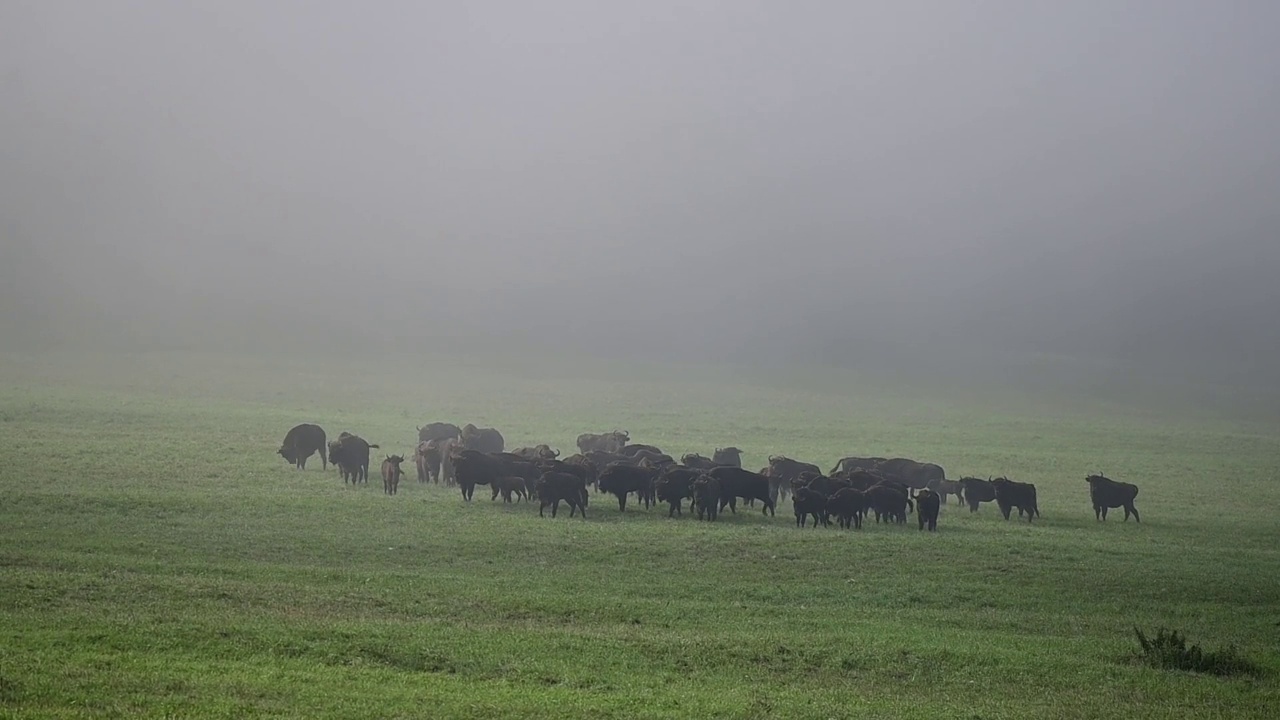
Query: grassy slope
{"points": [[156, 558]]}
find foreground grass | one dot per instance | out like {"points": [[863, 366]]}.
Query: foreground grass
{"points": [[157, 559]]}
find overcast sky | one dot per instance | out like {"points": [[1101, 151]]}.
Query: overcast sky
{"points": [[817, 180]]}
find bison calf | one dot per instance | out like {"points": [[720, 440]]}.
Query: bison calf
{"points": [[391, 473], [927, 504]]}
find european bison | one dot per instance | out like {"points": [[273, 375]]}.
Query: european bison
{"points": [[621, 480], [509, 485], [706, 496], [631, 450], [391, 473], [1010, 494], [849, 505], [947, 487], [674, 485], [806, 502], [730, 456], [927, 504], [538, 452], [439, 431], [700, 462], [607, 442], [890, 503], [783, 470], [1107, 493], [472, 468], [977, 490], [738, 483], [554, 487], [350, 454], [913, 474], [301, 442], [485, 440], [849, 464], [434, 459]]}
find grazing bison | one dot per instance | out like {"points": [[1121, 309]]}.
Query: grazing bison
{"points": [[1010, 494], [806, 502], [391, 474], [554, 487], [849, 505], [977, 490], [607, 442], [439, 431], [621, 480], [927, 504], [849, 464], [730, 456], [1107, 493], [739, 483], [350, 454], [706, 496], [486, 440], [301, 442]]}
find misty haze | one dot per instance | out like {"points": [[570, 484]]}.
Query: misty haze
{"points": [[791, 345]]}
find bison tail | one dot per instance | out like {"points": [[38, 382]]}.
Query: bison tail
{"points": [[371, 446]]}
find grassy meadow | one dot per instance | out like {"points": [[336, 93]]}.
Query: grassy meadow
{"points": [[157, 559]]}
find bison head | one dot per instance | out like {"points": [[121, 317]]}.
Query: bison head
{"points": [[288, 453]]}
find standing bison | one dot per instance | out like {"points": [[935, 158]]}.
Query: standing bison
{"points": [[927, 504], [1107, 493], [391, 474], [350, 454], [1011, 494], [608, 442], [730, 456], [438, 431], [301, 443], [485, 440]]}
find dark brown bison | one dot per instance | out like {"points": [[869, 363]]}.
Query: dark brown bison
{"points": [[806, 502], [1107, 493], [700, 462], [849, 464], [927, 504], [391, 474], [438, 431], [849, 505], [350, 454], [976, 491], [1010, 494], [621, 480], [730, 456], [890, 503], [301, 442], [472, 468], [630, 450], [554, 487], [783, 470], [913, 474], [434, 459], [674, 485], [486, 440], [607, 442], [706, 497], [508, 485], [537, 452], [739, 483]]}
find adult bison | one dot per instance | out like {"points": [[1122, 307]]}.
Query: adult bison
{"points": [[1107, 493], [700, 462], [391, 474], [537, 452], [849, 505], [434, 459], [976, 491], [849, 464], [913, 474], [674, 485], [612, 442], [554, 487], [706, 497], [890, 503], [806, 502], [350, 454], [730, 456], [621, 480], [739, 483], [438, 431], [486, 440], [302, 442], [783, 471], [1011, 494], [472, 468]]}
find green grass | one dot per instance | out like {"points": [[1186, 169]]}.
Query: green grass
{"points": [[157, 558]]}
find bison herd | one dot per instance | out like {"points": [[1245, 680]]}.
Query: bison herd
{"points": [[856, 488]]}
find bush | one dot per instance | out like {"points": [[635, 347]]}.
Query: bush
{"points": [[1168, 650]]}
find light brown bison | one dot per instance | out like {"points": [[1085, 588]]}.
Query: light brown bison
{"points": [[391, 474]]}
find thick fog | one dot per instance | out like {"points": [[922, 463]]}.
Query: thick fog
{"points": [[894, 183]]}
